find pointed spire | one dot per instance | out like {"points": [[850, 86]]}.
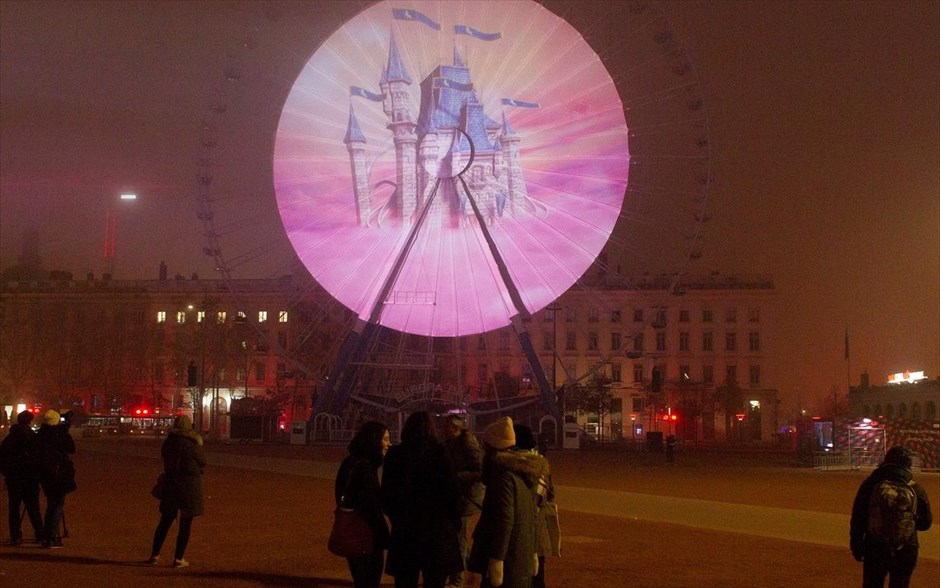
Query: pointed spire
{"points": [[507, 130], [458, 62], [353, 132], [395, 71]]}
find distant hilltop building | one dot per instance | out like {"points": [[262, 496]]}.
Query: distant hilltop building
{"points": [[438, 146]]}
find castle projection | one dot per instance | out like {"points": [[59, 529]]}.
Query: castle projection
{"points": [[452, 135]]}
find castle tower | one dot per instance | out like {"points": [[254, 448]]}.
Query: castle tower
{"points": [[394, 82], [428, 153], [515, 183], [356, 146]]}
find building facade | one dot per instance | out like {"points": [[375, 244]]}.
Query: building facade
{"points": [[699, 364]]}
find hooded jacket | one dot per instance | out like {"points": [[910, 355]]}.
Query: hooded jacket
{"points": [[858, 529], [183, 462], [507, 528]]}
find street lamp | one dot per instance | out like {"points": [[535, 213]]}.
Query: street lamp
{"points": [[110, 231]]}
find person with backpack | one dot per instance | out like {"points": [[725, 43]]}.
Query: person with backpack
{"points": [[889, 509], [56, 474], [19, 469]]}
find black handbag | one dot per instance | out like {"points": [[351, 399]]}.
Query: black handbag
{"points": [[159, 487], [351, 535]]}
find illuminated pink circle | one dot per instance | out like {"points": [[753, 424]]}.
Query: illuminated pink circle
{"points": [[378, 126]]}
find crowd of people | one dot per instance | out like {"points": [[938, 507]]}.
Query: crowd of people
{"points": [[429, 491], [31, 461]]}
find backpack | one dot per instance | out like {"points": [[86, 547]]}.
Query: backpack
{"points": [[892, 513], [56, 470]]}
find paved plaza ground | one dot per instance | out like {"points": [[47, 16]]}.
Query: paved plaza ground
{"points": [[628, 519]]}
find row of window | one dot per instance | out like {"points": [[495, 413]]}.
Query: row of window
{"points": [[221, 316], [639, 345], [684, 375], [929, 413], [659, 315]]}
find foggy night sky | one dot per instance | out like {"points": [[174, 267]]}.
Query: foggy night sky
{"points": [[824, 126]]}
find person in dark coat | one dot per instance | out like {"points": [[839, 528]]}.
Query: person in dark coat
{"points": [[466, 458], [504, 540], [17, 464], [422, 501], [357, 487], [547, 530], [183, 464], [880, 560], [57, 474]]}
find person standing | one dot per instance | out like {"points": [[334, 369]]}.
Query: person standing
{"points": [[17, 464], [183, 464], [889, 509], [422, 501], [547, 530], [57, 474], [504, 545], [357, 487], [466, 458]]}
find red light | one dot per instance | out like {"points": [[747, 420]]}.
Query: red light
{"points": [[674, 417], [137, 412], [146, 411], [739, 416], [665, 417]]}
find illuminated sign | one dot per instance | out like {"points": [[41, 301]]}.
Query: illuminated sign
{"points": [[906, 377], [441, 171]]}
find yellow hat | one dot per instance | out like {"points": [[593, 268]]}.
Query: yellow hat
{"points": [[51, 418], [500, 435]]}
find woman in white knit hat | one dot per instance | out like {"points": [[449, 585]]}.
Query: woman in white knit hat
{"points": [[504, 549]]}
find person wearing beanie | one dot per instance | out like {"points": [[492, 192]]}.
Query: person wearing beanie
{"points": [[504, 548], [889, 509], [183, 464], [57, 474], [17, 464]]}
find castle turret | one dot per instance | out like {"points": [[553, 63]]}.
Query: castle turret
{"points": [[394, 82], [355, 142], [515, 183]]}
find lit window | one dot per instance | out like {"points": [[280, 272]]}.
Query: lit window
{"points": [[262, 316], [161, 316], [240, 316], [282, 316], [220, 316], [180, 317], [200, 316]]}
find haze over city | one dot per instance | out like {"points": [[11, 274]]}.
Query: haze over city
{"points": [[824, 126]]}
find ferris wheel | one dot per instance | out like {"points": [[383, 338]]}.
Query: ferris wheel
{"points": [[451, 169]]}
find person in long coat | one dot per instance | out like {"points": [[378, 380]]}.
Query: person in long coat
{"points": [[357, 487], [183, 464], [17, 464], [466, 457], [504, 540], [548, 531], [422, 500], [57, 476]]}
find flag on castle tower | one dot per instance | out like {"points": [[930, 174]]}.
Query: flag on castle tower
{"points": [[520, 103], [363, 93], [451, 84], [472, 32], [414, 15]]}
